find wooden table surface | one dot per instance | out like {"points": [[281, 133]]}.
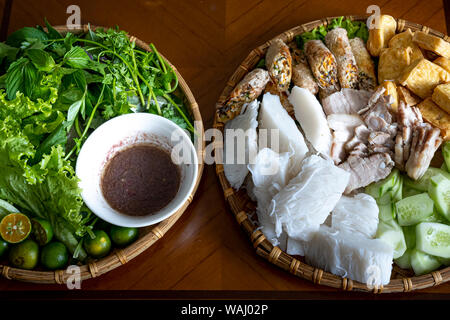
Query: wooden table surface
{"points": [[206, 40]]}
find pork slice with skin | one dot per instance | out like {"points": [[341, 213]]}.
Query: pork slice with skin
{"points": [[348, 101], [426, 140], [361, 135], [408, 118], [343, 126], [365, 170]]}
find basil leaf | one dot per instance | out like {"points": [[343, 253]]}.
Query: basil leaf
{"points": [[72, 114], [77, 58], [52, 33], [57, 137], [7, 52], [14, 78], [30, 78], [41, 60], [25, 34]]}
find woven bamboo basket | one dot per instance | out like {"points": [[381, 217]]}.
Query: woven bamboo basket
{"points": [[243, 207], [147, 236]]}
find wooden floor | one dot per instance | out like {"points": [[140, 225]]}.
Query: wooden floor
{"points": [[206, 41]]}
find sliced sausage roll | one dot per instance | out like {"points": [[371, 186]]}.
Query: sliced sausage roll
{"points": [[279, 64], [366, 68], [247, 90], [323, 66], [338, 43], [301, 73]]}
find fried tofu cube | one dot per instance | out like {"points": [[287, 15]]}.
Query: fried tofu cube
{"points": [[443, 63], [405, 40], [407, 96], [441, 96], [435, 116], [423, 76], [432, 43], [392, 63], [380, 35]]}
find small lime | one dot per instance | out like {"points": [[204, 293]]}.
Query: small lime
{"points": [[99, 246], [3, 247], [42, 231], [15, 227], [123, 236], [54, 256], [24, 255]]}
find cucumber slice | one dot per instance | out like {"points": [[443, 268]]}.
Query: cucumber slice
{"points": [[439, 191], [391, 233], [414, 209], [423, 263], [433, 238], [422, 183], [397, 190], [379, 188], [386, 212], [404, 261], [446, 153], [410, 236]]}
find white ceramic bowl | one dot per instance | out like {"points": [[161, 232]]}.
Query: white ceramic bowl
{"points": [[122, 132]]}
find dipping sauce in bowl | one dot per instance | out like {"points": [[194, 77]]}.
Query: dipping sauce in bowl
{"points": [[137, 170], [140, 180]]}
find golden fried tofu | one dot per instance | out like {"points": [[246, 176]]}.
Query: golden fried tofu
{"points": [[443, 62], [407, 96], [423, 76], [392, 63], [441, 96], [435, 116], [432, 43], [405, 40], [391, 89], [380, 35]]}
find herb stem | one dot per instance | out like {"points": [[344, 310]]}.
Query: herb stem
{"points": [[86, 129], [191, 128]]}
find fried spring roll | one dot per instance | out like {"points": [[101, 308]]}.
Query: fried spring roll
{"points": [[366, 68], [247, 90], [338, 43], [279, 64], [323, 66], [301, 72]]}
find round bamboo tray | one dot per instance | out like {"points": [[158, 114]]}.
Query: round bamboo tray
{"points": [[147, 236], [243, 207]]}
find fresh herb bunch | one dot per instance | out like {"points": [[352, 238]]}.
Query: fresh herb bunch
{"points": [[54, 91], [354, 29]]}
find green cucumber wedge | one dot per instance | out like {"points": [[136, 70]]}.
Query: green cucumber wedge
{"points": [[433, 238], [414, 209], [386, 212], [410, 236], [404, 261], [379, 189], [423, 263], [439, 191], [422, 183], [446, 153], [391, 233]]}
